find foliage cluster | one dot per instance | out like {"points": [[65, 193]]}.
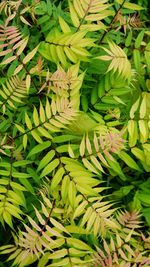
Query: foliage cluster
{"points": [[74, 133]]}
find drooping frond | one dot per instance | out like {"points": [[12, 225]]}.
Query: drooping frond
{"points": [[119, 60], [123, 249], [96, 215], [11, 10], [78, 189]]}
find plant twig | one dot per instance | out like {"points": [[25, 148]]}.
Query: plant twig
{"points": [[110, 25]]}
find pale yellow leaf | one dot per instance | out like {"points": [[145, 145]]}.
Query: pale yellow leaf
{"points": [[30, 55], [28, 121], [89, 166], [36, 117], [58, 225], [42, 113], [28, 82], [82, 147], [8, 60], [25, 21]]}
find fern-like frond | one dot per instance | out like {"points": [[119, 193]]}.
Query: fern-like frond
{"points": [[139, 130], [78, 189], [13, 46], [120, 252], [55, 116], [14, 43], [140, 126], [126, 247], [83, 196], [65, 84], [96, 215], [60, 47], [43, 240], [12, 93], [130, 220], [132, 21], [90, 11], [98, 150], [11, 10], [112, 90], [11, 191], [11, 200], [119, 61]]}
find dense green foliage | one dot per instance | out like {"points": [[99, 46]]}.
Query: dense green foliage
{"points": [[74, 133]]}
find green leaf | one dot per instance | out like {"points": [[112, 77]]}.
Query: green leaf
{"points": [[20, 175], [72, 193], [50, 167], [46, 159], [114, 165], [76, 243], [144, 198], [57, 178], [21, 163], [58, 225], [133, 6], [28, 121], [39, 148], [58, 254], [129, 161]]}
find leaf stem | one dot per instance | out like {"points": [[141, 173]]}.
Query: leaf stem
{"points": [[110, 25]]}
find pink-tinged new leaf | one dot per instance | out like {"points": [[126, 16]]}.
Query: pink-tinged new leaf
{"points": [[5, 52], [22, 45], [34, 224], [18, 69], [8, 60]]}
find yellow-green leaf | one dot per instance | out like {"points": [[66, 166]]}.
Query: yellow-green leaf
{"points": [[50, 167]]}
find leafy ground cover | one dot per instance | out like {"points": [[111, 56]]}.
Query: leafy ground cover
{"points": [[74, 133]]}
